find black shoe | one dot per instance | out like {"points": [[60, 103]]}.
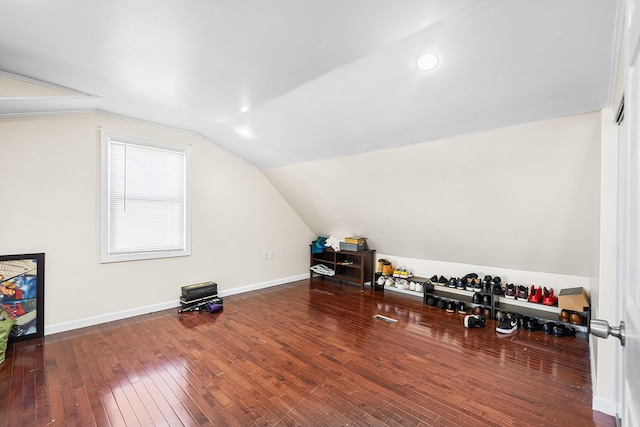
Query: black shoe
{"points": [[522, 320], [461, 284], [477, 286], [486, 299], [442, 280], [472, 321], [547, 328], [497, 279], [432, 301], [488, 278], [510, 291], [434, 278], [441, 304], [523, 293], [487, 286], [507, 325], [451, 307], [453, 282], [469, 285], [532, 325], [563, 331], [496, 289], [476, 298], [462, 307]]}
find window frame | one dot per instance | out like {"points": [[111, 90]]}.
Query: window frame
{"points": [[105, 163]]}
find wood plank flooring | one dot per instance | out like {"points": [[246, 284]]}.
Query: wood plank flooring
{"points": [[308, 353]]}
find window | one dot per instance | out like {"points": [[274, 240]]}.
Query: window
{"points": [[145, 200]]}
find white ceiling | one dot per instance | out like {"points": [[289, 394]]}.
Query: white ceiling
{"points": [[314, 79]]}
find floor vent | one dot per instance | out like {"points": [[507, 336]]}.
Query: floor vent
{"points": [[385, 318]]}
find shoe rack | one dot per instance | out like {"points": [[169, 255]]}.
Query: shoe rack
{"points": [[443, 291], [351, 266], [541, 312], [424, 282]]}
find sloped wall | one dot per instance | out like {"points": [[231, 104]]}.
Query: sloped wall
{"points": [[523, 198], [50, 186]]}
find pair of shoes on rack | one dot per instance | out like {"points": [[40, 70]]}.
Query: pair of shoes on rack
{"points": [[457, 283], [558, 330], [530, 324], [432, 300], [544, 296], [322, 269], [439, 280], [574, 318], [478, 298], [453, 306], [479, 310]]}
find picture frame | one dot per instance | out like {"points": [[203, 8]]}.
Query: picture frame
{"points": [[22, 294]]}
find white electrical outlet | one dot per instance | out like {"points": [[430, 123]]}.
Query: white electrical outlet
{"points": [[271, 254], [265, 255]]}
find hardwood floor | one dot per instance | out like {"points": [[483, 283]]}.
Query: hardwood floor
{"points": [[305, 353]]}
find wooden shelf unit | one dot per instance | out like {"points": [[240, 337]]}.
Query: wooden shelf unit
{"points": [[350, 266]]}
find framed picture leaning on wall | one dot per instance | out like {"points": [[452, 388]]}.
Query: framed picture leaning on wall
{"points": [[22, 294]]}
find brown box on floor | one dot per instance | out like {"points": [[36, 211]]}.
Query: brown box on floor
{"points": [[575, 299]]}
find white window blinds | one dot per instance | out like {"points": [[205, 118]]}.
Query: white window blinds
{"points": [[146, 201]]}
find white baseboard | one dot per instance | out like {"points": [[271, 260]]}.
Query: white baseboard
{"points": [[604, 405], [108, 317], [263, 285], [124, 314], [599, 403]]}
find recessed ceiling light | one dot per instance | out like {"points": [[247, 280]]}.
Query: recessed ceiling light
{"points": [[244, 132], [427, 61]]}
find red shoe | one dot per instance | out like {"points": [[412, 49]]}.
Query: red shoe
{"points": [[548, 298], [535, 295]]}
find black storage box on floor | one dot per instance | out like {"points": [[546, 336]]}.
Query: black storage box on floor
{"points": [[199, 290]]}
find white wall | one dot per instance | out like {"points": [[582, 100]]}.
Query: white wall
{"points": [[523, 198], [50, 183], [603, 297]]}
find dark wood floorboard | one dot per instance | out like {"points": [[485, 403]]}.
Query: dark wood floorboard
{"points": [[301, 354]]}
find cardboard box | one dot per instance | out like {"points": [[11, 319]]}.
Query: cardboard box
{"points": [[354, 240], [351, 247], [574, 299]]}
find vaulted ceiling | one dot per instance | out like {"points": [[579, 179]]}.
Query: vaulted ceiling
{"points": [[287, 81]]}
